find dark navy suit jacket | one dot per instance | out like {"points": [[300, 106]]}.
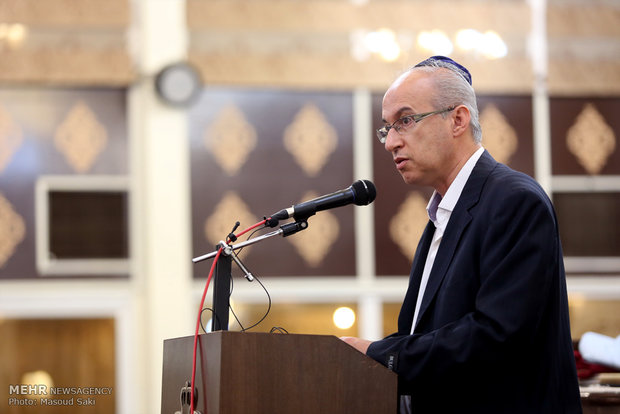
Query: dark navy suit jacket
{"points": [[493, 334]]}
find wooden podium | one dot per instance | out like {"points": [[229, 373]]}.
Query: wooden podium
{"points": [[243, 372]]}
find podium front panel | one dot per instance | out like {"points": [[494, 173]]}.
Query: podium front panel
{"points": [[276, 373]]}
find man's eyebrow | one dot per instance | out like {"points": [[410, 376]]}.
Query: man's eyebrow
{"points": [[399, 113]]}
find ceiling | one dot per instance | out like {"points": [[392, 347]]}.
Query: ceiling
{"points": [[572, 46]]}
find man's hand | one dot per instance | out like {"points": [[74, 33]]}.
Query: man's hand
{"points": [[357, 343]]}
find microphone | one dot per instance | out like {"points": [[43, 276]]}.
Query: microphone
{"points": [[360, 193]]}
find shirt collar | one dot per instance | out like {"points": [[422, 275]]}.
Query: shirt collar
{"points": [[448, 202]]}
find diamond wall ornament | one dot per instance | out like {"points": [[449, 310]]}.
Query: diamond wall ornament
{"points": [[80, 137], [591, 140], [499, 137], [310, 139], [12, 230], [11, 138], [231, 139], [314, 243], [407, 226], [226, 213]]}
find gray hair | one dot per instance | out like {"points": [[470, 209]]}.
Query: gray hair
{"points": [[453, 88]]}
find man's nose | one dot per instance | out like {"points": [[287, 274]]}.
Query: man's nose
{"points": [[393, 140]]}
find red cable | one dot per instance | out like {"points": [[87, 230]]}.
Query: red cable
{"points": [[202, 301], [260, 223]]}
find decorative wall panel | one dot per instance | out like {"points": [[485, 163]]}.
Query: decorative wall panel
{"points": [[231, 139], [32, 121], [507, 130], [589, 223], [12, 229], [80, 138], [254, 152], [585, 134], [11, 137], [400, 210]]}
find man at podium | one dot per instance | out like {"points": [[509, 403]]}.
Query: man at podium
{"points": [[484, 324]]}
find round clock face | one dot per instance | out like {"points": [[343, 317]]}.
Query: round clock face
{"points": [[178, 84]]}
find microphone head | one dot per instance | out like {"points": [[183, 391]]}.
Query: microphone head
{"points": [[364, 192]]}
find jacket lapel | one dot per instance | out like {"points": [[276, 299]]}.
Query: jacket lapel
{"points": [[405, 318], [459, 220]]}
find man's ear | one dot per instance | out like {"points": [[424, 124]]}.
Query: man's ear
{"points": [[460, 119]]}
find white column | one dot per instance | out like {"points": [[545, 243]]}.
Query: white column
{"points": [[370, 305], [160, 197], [362, 169], [540, 97]]}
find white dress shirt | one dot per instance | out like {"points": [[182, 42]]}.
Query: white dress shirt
{"points": [[439, 211]]}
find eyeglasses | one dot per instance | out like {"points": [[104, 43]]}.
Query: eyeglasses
{"points": [[403, 124]]}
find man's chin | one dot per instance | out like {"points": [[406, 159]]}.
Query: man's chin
{"points": [[408, 178]]}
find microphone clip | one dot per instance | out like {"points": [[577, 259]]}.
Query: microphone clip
{"points": [[294, 227]]}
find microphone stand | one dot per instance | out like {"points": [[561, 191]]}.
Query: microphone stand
{"points": [[223, 270]]}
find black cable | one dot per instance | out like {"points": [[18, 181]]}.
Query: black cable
{"points": [[249, 237], [278, 329], [268, 307], [212, 312], [230, 307], [236, 318], [259, 282]]}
